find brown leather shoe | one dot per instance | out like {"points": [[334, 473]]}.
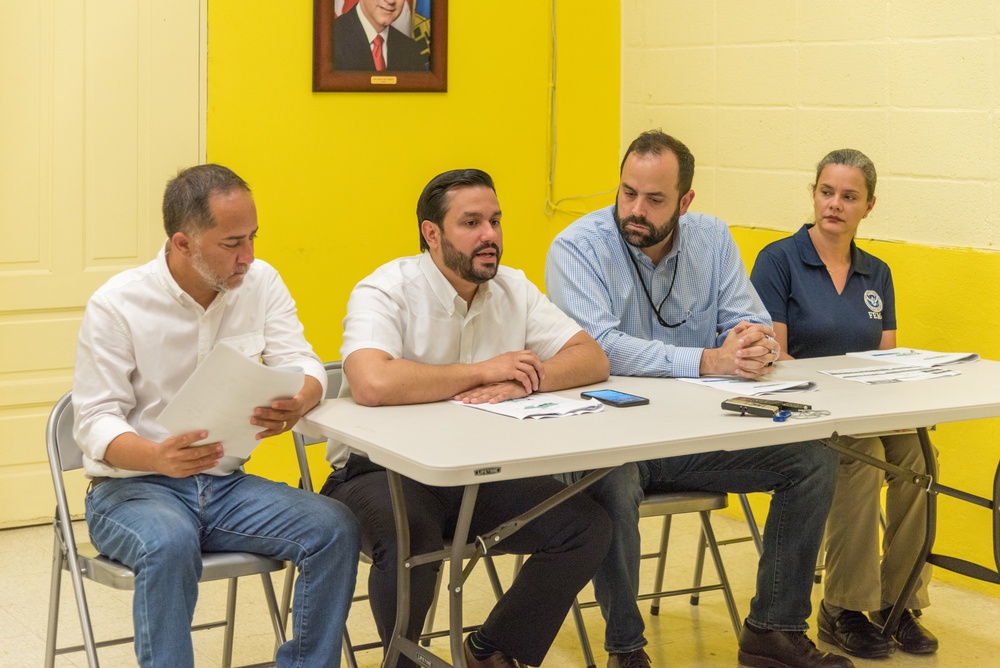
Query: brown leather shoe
{"points": [[494, 660], [634, 659], [910, 635], [785, 649]]}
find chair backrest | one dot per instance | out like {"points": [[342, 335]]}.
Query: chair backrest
{"points": [[334, 377], [64, 453], [334, 374]]}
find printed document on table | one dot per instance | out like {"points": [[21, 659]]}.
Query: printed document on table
{"points": [[914, 357], [221, 394], [539, 405], [751, 388], [891, 373]]}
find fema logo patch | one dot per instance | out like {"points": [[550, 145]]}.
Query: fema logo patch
{"points": [[874, 304]]}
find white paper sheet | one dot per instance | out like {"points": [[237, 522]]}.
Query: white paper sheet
{"points": [[751, 388], [539, 405], [220, 397], [891, 373], [914, 357]]}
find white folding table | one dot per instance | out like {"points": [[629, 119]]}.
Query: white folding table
{"points": [[443, 444]]}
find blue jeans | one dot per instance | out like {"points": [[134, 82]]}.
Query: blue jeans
{"points": [[802, 477], [159, 526]]}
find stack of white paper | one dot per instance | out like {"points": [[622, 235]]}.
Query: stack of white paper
{"points": [[890, 373], [220, 397], [540, 405], [914, 357], [751, 388]]}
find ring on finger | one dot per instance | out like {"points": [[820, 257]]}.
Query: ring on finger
{"points": [[284, 425]]}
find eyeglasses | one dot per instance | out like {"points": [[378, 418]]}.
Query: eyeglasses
{"points": [[657, 309]]}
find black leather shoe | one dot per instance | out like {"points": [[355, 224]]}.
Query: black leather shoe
{"points": [[635, 659], [785, 649], [852, 632], [494, 660], [910, 635]]}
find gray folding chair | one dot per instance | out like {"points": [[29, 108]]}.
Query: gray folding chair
{"points": [[83, 561], [334, 373], [669, 504]]}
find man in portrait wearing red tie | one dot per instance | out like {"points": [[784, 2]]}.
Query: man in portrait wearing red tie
{"points": [[365, 39]]}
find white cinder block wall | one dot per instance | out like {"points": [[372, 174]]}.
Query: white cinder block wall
{"points": [[760, 91]]}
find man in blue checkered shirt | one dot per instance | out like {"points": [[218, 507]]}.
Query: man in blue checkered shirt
{"points": [[665, 293]]}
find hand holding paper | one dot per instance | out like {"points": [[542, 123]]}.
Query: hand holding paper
{"points": [[176, 457], [282, 414], [223, 396]]}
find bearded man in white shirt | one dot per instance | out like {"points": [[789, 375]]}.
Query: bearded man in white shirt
{"points": [[157, 501], [453, 323]]}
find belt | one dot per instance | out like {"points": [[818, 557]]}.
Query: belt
{"points": [[94, 482]]}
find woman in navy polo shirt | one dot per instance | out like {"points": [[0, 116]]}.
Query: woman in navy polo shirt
{"points": [[826, 296]]}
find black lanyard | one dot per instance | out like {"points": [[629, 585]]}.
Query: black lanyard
{"points": [[656, 309]]}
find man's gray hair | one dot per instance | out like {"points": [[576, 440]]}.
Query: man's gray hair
{"points": [[185, 201]]}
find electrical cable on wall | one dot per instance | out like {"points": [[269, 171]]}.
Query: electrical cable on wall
{"points": [[551, 206]]}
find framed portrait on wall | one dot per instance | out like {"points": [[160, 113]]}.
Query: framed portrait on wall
{"points": [[380, 45]]}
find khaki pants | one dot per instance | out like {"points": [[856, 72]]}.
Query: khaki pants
{"points": [[857, 576]]}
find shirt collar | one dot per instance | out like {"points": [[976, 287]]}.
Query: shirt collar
{"points": [[369, 29], [808, 254], [446, 292], [174, 289], [644, 259]]}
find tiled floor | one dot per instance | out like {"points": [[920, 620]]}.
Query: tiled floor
{"points": [[682, 635]]}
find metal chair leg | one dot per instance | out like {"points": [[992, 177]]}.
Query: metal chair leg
{"points": [[699, 565], [713, 546], [227, 642], [491, 573], [286, 595], [752, 524], [274, 612], [661, 564], [89, 644], [581, 629], [349, 658], [55, 588], [432, 611]]}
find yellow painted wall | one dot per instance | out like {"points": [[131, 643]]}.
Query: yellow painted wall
{"points": [[761, 96], [336, 176]]}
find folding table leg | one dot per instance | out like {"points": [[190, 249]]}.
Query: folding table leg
{"points": [[456, 573]]}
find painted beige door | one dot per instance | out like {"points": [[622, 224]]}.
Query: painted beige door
{"points": [[102, 101]]}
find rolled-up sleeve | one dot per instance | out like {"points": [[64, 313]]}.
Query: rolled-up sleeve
{"points": [[102, 393]]}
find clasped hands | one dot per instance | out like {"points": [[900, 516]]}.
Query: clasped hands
{"points": [[750, 351], [508, 376]]}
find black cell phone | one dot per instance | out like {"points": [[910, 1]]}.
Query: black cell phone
{"points": [[615, 398]]}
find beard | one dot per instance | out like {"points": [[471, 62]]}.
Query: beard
{"points": [[213, 280], [652, 236], [465, 265]]}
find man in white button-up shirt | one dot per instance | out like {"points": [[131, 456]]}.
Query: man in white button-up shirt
{"points": [[453, 323], [157, 501]]}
